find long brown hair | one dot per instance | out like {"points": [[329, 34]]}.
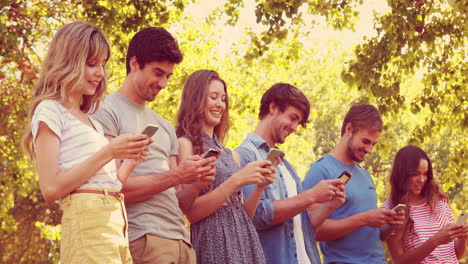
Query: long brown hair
{"points": [[406, 163], [63, 70], [191, 114]]}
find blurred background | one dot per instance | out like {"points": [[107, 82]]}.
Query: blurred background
{"points": [[408, 57]]}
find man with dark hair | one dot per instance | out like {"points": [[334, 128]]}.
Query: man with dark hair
{"points": [[154, 200], [281, 219], [354, 231]]}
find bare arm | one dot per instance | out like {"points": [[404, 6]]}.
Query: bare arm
{"points": [[186, 193], [286, 209], [460, 243], [401, 256], [56, 185], [319, 212], [332, 229], [140, 188], [208, 203]]}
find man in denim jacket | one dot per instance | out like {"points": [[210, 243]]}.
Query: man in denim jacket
{"points": [[284, 226]]}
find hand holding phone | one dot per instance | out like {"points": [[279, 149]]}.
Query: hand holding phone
{"points": [[345, 177], [462, 219], [273, 154], [399, 207], [150, 130], [211, 153]]}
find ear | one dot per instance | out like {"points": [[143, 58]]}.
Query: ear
{"points": [[348, 128], [134, 66], [273, 108]]}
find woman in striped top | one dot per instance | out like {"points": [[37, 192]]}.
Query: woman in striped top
{"points": [[74, 160], [430, 234]]}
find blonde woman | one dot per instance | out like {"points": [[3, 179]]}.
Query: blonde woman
{"points": [[74, 160]]}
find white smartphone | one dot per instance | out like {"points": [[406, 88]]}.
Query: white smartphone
{"points": [[399, 207], [150, 130], [462, 219], [345, 177], [273, 154], [210, 153]]}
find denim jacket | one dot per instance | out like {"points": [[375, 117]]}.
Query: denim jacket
{"points": [[277, 241]]}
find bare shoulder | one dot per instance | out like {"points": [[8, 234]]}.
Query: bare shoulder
{"points": [[185, 148], [184, 142]]}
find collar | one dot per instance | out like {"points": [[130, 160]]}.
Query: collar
{"points": [[260, 143]]}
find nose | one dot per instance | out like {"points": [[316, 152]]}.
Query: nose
{"points": [[100, 71], [369, 148], [294, 126], [420, 178], [219, 102], [162, 82]]}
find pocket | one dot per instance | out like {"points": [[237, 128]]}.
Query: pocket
{"points": [[138, 249], [273, 191], [65, 233]]}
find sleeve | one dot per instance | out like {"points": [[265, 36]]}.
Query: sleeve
{"points": [[386, 205], [264, 213], [50, 114], [448, 211], [314, 175], [108, 119], [174, 142]]}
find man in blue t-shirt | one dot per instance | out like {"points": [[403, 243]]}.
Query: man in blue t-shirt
{"points": [[353, 232]]}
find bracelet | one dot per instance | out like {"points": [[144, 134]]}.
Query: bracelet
{"points": [[226, 197]]}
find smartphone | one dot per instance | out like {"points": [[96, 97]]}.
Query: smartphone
{"points": [[462, 219], [211, 153], [345, 177], [273, 154], [150, 130], [399, 207]]}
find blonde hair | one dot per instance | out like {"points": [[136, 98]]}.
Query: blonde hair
{"points": [[63, 70]]}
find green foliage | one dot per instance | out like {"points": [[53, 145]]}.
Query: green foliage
{"points": [[415, 70]]}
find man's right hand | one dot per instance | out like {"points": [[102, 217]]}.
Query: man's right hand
{"points": [[326, 190], [378, 217], [195, 168]]}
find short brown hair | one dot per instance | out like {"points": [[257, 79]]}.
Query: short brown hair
{"points": [[284, 95], [363, 116]]}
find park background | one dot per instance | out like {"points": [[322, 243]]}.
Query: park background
{"points": [[407, 57]]}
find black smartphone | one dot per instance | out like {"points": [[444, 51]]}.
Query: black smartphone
{"points": [[211, 153], [150, 130], [345, 177]]}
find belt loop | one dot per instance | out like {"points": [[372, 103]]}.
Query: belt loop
{"points": [[106, 196], [67, 199]]}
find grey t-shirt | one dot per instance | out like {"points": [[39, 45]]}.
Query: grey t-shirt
{"points": [[159, 215]]}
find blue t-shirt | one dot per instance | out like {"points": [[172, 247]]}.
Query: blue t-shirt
{"points": [[362, 245]]}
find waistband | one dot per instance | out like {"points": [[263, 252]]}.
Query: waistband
{"points": [[98, 191]]}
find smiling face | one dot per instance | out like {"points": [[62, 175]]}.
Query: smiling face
{"points": [[361, 143], [94, 74], [417, 180], [215, 104], [284, 123], [150, 80]]}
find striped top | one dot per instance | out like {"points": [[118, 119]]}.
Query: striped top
{"points": [[427, 224], [78, 141]]}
